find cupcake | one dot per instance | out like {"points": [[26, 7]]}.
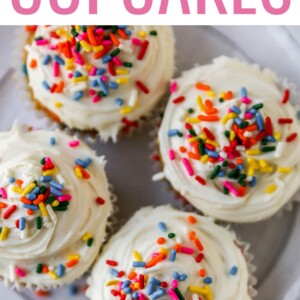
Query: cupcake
{"points": [[229, 141], [162, 253], [99, 78], [54, 206]]}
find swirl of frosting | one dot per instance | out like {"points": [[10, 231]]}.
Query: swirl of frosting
{"points": [[229, 141], [100, 78], [54, 207], [162, 253]]}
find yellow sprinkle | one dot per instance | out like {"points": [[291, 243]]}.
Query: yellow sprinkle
{"points": [[253, 152], [17, 189], [232, 115], [112, 282], [211, 94], [50, 172], [58, 104], [43, 209], [98, 48], [53, 275], [122, 80], [79, 79], [126, 110], [77, 27], [121, 71], [277, 136], [204, 159], [222, 95], [232, 135], [263, 163], [271, 189], [193, 120], [74, 256], [28, 189], [214, 143], [88, 67], [60, 31], [253, 163], [193, 140], [284, 170], [69, 66], [266, 170], [69, 60], [87, 236], [203, 136], [78, 172], [224, 120], [142, 34], [86, 46], [164, 251], [4, 233], [137, 285], [200, 103], [250, 171], [137, 256], [198, 290], [55, 203]]}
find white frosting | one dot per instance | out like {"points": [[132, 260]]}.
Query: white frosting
{"points": [[62, 231], [141, 233], [226, 74], [154, 71]]}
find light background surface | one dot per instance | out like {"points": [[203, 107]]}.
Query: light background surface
{"points": [[276, 242]]}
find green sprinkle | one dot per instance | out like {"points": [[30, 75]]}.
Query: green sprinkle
{"points": [[74, 32], [225, 163], [114, 29], [215, 172], [39, 268], [78, 47], [64, 203], [227, 133], [201, 148], [221, 100], [90, 242], [225, 190], [38, 222], [242, 177], [244, 124], [190, 110], [178, 293], [192, 132], [127, 64], [42, 189], [43, 161], [268, 149], [264, 141], [180, 134], [101, 94], [234, 174], [171, 235], [50, 199], [258, 106], [153, 32], [115, 52], [241, 182], [60, 208]]}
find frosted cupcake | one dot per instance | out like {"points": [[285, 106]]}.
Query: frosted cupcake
{"points": [[162, 253], [54, 208], [229, 141], [99, 78]]}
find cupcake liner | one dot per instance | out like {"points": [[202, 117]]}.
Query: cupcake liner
{"points": [[129, 127], [111, 227], [158, 167], [243, 246]]}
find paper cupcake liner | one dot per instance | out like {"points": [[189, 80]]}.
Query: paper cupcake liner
{"points": [[158, 166], [111, 227], [243, 246], [41, 112]]}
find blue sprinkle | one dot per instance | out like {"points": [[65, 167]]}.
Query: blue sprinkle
{"points": [[24, 70], [183, 277], [46, 178], [103, 86], [128, 32], [176, 275], [271, 139], [113, 85], [59, 60], [106, 58], [46, 59], [241, 167], [35, 190], [55, 191], [45, 85], [122, 26], [162, 226], [244, 92], [135, 295], [252, 183], [137, 264], [56, 185], [221, 174], [160, 292], [31, 196], [173, 132], [125, 284], [259, 121], [173, 255], [114, 272], [52, 141], [33, 207], [77, 74], [73, 290], [94, 83], [100, 71], [208, 280], [154, 281], [214, 154], [60, 270], [238, 121], [150, 289], [233, 271], [80, 162], [88, 161], [119, 101], [235, 109], [22, 223], [127, 290], [298, 115], [78, 95], [11, 179]]}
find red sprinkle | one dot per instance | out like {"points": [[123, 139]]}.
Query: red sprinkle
{"points": [[9, 211], [100, 201], [142, 87], [209, 134], [200, 180], [285, 121], [141, 282], [111, 68], [269, 126], [291, 137], [143, 50], [199, 257], [111, 263], [286, 96], [179, 99]]}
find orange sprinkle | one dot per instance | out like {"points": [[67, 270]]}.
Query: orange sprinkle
{"points": [[41, 293], [211, 111], [196, 149], [198, 244], [19, 182], [39, 199], [72, 263], [114, 39], [208, 103], [228, 95], [182, 149], [85, 174], [239, 161], [29, 212], [193, 155], [122, 34], [192, 235], [177, 247], [45, 269], [59, 87], [25, 200], [161, 241], [192, 219], [154, 261], [202, 272], [242, 191], [211, 118], [2, 205], [91, 36], [33, 63], [132, 275], [202, 87]]}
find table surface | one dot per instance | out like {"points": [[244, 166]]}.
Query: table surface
{"points": [[252, 43]]}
